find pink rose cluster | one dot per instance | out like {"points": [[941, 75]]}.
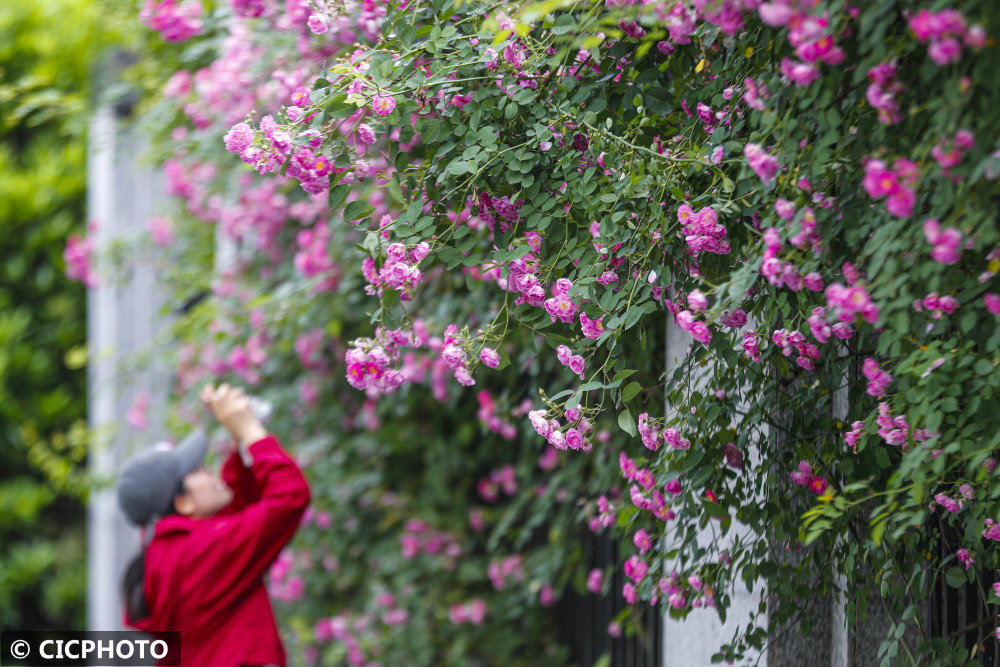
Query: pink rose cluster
{"points": [[561, 307], [418, 538], [949, 152], [313, 258], [804, 477], [685, 320], [649, 434], [575, 436], [947, 242], [643, 491], [176, 21], [472, 612], [160, 230], [679, 21], [938, 306], [751, 344], [799, 73], [137, 415], [399, 271], [368, 362], [453, 353], [592, 329], [878, 379], [576, 363], [812, 36], [710, 120], [635, 569], [852, 436], [677, 593], [808, 237], [77, 255], [702, 230], [309, 346], [822, 330], [882, 91], [946, 31], [508, 569], [734, 456], [727, 14], [847, 303], [755, 94], [311, 170], [898, 184], [503, 478], [763, 163], [488, 415], [595, 581], [249, 8], [642, 541], [895, 430], [992, 532], [246, 360], [606, 513], [282, 587], [794, 341], [523, 280], [948, 503], [734, 319], [499, 209], [783, 273], [992, 302], [393, 615], [343, 628]]}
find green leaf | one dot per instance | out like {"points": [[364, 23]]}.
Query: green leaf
{"points": [[627, 423], [956, 577], [337, 196], [715, 510], [622, 374], [631, 391], [357, 210]]}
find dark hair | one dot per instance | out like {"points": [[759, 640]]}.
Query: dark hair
{"points": [[133, 583]]}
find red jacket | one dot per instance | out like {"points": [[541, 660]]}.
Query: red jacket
{"points": [[204, 576]]}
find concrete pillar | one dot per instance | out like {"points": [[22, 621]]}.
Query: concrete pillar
{"points": [[123, 322]]}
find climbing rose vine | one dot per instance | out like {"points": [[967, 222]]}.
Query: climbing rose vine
{"points": [[480, 222]]}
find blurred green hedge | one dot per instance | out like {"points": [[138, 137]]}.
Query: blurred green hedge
{"points": [[48, 49]]}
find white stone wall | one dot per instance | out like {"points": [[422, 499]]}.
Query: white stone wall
{"points": [[691, 643]]}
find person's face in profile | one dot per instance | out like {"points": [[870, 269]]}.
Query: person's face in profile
{"points": [[206, 494]]}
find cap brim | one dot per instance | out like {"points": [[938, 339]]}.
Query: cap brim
{"points": [[190, 452]]}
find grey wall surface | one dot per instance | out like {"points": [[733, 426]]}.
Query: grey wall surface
{"points": [[122, 320]]}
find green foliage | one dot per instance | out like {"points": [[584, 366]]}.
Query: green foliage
{"points": [[596, 131], [47, 52]]}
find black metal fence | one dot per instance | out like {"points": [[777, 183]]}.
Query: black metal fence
{"points": [[585, 618], [962, 613]]}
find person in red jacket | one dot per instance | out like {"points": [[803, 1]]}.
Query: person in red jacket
{"points": [[202, 571]]}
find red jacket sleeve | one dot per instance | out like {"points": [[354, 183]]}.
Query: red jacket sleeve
{"points": [[240, 479], [229, 553]]}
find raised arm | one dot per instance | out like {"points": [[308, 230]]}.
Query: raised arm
{"points": [[233, 551]]}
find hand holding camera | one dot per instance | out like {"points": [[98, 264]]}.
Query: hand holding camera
{"points": [[232, 407]]}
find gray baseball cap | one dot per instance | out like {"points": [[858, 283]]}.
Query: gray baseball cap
{"points": [[148, 483]]}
